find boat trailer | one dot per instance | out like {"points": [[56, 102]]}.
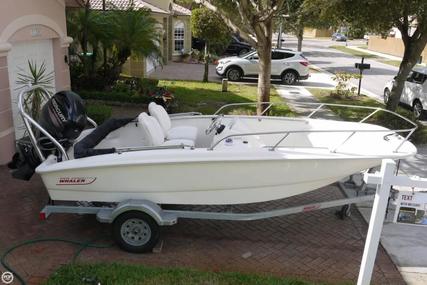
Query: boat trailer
{"points": [[136, 222]]}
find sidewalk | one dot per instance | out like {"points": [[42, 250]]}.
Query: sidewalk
{"points": [[402, 242], [379, 54]]}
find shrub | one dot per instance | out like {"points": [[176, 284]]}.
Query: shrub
{"points": [[343, 87], [99, 113], [113, 96]]}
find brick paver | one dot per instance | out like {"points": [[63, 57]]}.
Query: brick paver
{"points": [[315, 246]]}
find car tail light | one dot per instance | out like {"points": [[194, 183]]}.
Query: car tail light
{"points": [[42, 216], [305, 63], [216, 62]]}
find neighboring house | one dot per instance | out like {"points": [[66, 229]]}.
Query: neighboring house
{"points": [[393, 44], [29, 30], [314, 32], [174, 27]]}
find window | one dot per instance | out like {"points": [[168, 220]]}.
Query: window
{"points": [[275, 55], [178, 36], [417, 77]]}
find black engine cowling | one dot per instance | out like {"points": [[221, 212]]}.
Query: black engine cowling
{"points": [[63, 116]]}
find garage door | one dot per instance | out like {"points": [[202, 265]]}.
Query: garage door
{"points": [[38, 51]]}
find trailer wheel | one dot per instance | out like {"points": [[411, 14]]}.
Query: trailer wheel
{"points": [[135, 232]]}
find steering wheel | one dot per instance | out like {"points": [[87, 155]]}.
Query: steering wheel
{"points": [[215, 124]]}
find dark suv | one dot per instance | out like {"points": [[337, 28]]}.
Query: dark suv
{"points": [[236, 46]]}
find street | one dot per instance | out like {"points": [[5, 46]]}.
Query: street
{"points": [[318, 53]]}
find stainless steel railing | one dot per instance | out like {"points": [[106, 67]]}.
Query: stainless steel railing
{"points": [[320, 106], [28, 121]]}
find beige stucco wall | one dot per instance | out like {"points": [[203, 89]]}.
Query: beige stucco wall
{"points": [[25, 20], [393, 46], [313, 33], [162, 4]]}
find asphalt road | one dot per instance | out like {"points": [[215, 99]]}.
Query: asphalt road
{"points": [[332, 60]]}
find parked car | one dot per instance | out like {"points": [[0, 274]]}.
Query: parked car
{"points": [[338, 37], [414, 92], [237, 46], [287, 65]]}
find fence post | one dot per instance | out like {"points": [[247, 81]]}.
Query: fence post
{"points": [[387, 172], [224, 84]]}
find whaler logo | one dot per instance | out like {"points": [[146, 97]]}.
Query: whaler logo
{"points": [[75, 180]]}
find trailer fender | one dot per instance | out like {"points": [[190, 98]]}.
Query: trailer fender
{"points": [[150, 208]]}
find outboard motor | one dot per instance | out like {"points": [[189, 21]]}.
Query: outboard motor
{"points": [[63, 116]]}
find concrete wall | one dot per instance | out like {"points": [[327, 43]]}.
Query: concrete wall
{"points": [[314, 33], [393, 46], [25, 21]]}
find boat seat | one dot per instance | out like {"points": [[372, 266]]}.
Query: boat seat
{"points": [[154, 135], [179, 132]]}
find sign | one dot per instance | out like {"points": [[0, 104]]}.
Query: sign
{"points": [[411, 208], [362, 66]]}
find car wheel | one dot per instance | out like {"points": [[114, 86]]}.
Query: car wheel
{"points": [[386, 95], [135, 232], [243, 51], [289, 77], [418, 110], [234, 74]]}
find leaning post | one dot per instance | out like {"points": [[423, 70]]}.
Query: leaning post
{"points": [[224, 85], [387, 172]]}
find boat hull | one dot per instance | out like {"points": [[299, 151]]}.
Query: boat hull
{"points": [[201, 182]]}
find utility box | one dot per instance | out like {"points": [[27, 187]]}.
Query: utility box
{"points": [[411, 207]]}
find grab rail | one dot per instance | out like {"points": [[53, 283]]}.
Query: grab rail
{"points": [[28, 121], [139, 148], [287, 133], [319, 107]]}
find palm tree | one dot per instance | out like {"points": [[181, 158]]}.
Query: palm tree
{"points": [[120, 31], [89, 29], [135, 33]]}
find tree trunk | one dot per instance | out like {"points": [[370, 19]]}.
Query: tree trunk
{"points": [[264, 76], [300, 35], [206, 72], [413, 49]]}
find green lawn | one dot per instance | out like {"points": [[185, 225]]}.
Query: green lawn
{"points": [[207, 97], [126, 274], [381, 118], [353, 52]]}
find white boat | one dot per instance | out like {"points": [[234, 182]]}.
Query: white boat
{"points": [[219, 159]]}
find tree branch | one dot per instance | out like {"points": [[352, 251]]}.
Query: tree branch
{"points": [[244, 34]]}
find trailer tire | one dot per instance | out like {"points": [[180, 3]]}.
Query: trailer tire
{"points": [[135, 232]]}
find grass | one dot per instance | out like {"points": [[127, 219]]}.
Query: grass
{"points": [[208, 97], [353, 52], [381, 118], [127, 274]]}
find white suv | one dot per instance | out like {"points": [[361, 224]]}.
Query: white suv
{"points": [[414, 92], [287, 65]]}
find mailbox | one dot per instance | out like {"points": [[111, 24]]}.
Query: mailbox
{"points": [[362, 66]]}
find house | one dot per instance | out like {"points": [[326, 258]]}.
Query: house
{"points": [[174, 26], [29, 30], [392, 45], [315, 33], [36, 31]]}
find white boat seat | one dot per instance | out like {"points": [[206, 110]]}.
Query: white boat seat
{"points": [[179, 132], [154, 135]]}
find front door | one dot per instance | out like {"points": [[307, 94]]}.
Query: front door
{"points": [[37, 51]]}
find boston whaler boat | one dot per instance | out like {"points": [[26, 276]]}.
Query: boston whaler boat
{"points": [[196, 159]]}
